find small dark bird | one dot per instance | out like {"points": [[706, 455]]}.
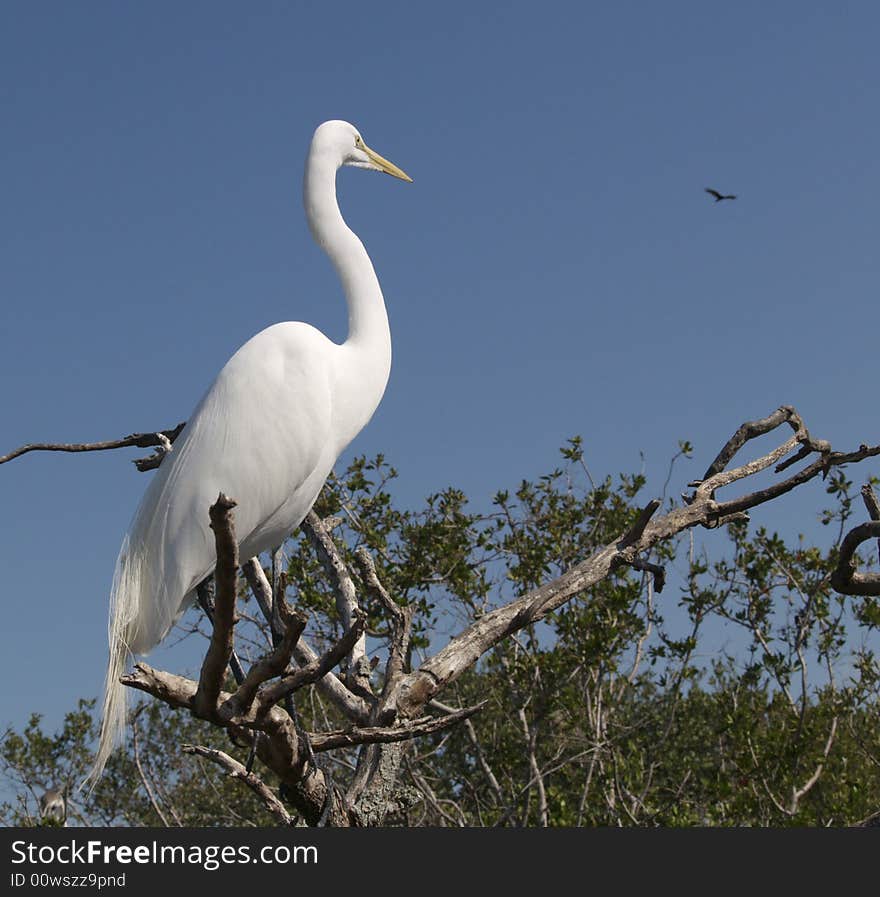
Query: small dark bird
{"points": [[719, 196]]}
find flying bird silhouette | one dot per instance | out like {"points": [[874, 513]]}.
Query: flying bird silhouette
{"points": [[719, 196]]}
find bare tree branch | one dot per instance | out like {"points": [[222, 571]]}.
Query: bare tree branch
{"points": [[346, 598], [845, 578], [253, 781], [273, 664], [220, 648], [314, 671], [701, 509], [871, 503], [331, 687], [401, 621], [162, 439], [326, 741], [384, 724]]}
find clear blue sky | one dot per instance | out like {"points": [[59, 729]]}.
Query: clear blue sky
{"points": [[555, 269]]}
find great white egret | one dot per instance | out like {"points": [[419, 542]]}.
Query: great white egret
{"points": [[267, 432]]}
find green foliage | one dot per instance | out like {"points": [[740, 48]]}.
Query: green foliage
{"points": [[617, 709], [150, 783]]}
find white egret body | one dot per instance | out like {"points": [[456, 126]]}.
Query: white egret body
{"points": [[267, 433]]}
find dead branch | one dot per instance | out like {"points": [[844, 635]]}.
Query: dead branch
{"points": [[700, 508], [331, 687], [273, 664], [161, 439], [845, 578], [753, 429], [346, 598], [401, 621], [220, 648], [327, 741], [280, 750], [871, 503], [314, 671], [253, 781]]}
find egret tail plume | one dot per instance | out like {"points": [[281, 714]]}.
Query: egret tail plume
{"points": [[124, 601]]}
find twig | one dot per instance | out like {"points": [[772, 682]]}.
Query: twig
{"points": [[478, 750], [205, 593], [142, 774]]}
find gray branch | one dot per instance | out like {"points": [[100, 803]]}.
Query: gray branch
{"points": [[161, 439], [237, 771], [346, 598]]}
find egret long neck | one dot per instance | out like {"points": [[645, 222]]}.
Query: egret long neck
{"points": [[367, 350]]}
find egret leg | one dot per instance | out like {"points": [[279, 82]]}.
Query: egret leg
{"points": [[277, 560]]}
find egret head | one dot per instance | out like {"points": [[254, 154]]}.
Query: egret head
{"points": [[344, 142]]}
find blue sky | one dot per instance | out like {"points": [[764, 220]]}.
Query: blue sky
{"points": [[555, 269]]}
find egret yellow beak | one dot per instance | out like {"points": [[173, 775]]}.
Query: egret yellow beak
{"points": [[384, 165]]}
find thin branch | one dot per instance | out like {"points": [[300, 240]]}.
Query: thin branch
{"points": [[142, 774], [327, 741], [274, 663], [531, 738], [314, 671], [331, 686], [798, 794], [253, 781], [346, 596], [162, 439], [481, 757], [262, 591], [751, 430], [401, 621]]}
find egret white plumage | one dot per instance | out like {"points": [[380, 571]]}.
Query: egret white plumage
{"points": [[267, 432]]}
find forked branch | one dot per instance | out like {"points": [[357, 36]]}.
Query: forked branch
{"points": [[700, 509], [161, 439]]}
